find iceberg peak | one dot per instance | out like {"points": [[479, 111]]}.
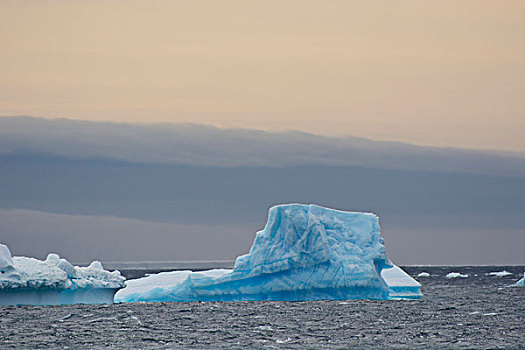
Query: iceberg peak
{"points": [[6, 260], [96, 265], [52, 259]]}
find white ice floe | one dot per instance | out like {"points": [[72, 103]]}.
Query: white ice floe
{"points": [[423, 274], [305, 252], [456, 275], [29, 281], [501, 273]]}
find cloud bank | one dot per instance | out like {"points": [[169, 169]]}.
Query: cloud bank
{"points": [[200, 145]]}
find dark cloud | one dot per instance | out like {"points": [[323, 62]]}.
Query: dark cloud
{"points": [[208, 146]]}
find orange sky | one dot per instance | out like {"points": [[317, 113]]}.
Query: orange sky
{"points": [[447, 73]]}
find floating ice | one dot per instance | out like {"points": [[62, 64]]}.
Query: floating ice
{"points": [[423, 274], [456, 275], [501, 273], [521, 282], [400, 284], [6, 260], [29, 281], [305, 252]]}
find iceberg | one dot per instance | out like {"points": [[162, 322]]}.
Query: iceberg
{"points": [[500, 273], [456, 275], [305, 252], [54, 281]]}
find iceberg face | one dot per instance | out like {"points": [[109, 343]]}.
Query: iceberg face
{"points": [[305, 252], [29, 281]]}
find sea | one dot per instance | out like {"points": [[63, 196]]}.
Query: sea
{"points": [[476, 311]]}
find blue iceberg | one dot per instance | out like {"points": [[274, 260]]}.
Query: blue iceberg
{"points": [[54, 281], [305, 252]]}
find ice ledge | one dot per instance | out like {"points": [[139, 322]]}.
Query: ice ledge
{"points": [[521, 282], [400, 284]]}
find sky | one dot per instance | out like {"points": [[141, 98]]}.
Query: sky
{"points": [[187, 120], [439, 73]]}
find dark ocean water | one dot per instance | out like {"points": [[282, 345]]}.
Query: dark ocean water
{"points": [[476, 312]]}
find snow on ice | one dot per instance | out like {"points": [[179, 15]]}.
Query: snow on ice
{"points": [[54, 281]]}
